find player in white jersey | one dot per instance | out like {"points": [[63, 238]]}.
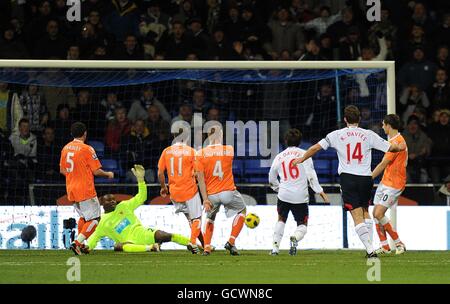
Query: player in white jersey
{"points": [[354, 149], [292, 190]]}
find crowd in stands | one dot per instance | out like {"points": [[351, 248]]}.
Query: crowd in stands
{"points": [[416, 34]]}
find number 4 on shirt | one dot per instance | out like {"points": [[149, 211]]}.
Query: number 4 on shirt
{"points": [[357, 153]]}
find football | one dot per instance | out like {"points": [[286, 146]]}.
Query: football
{"points": [[251, 220]]}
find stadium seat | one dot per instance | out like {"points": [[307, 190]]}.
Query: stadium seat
{"points": [[323, 170], [98, 146], [305, 145], [254, 173], [238, 168], [109, 165]]}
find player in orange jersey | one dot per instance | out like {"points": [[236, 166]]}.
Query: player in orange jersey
{"points": [[79, 164], [391, 185], [215, 162], [179, 162]]}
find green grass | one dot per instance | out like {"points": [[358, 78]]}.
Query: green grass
{"points": [[310, 266]]}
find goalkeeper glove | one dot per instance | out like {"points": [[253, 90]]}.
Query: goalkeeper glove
{"points": [[139, 172]]}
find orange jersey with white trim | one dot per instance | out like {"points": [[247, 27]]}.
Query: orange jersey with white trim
{"points": [[179, 161], [216, 162], [395, 173], [79, 161]]}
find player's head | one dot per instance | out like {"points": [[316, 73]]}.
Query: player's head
{"points": [[108, 202], [352, 115], [391, 122], [293, 138], [78, 130]]}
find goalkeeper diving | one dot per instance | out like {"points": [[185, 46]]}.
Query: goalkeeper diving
{"points": [[120, 224]]}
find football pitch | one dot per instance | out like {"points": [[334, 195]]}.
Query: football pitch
{"points": [[181, 267]]}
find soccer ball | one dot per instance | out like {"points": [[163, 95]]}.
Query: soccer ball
{"points": [[251, 220]]}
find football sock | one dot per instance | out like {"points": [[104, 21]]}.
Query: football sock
{"points": [[383, 238], [87, 230], [136, 248], [180, 239], [369, 223], [278, 235], [363, 233], [300, 232], [195, 231], [80, 225], [208, 234], [388, 228], [238, 223]]}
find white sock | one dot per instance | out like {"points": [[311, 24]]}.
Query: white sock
{"points": [[81, 238], [278, 235], [300, 232], [363, 233], [369, 224]]}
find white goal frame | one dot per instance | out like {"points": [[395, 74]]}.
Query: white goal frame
{"points": [[389, 66]]}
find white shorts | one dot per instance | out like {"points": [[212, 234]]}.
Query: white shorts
{"points": [[192, 208], [386, 196], [232, 201], [88, 209]]}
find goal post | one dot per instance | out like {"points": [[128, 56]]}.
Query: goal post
{"points": [[336, 68]]}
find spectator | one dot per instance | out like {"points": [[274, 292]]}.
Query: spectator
{"points": [[326, 47], [412, 98], [320, 24], [199, 104], [90, 113], [233, 24], [286, 35], [338, 30], [34, 108], [135, 149], [213, 114], [313, 51], [440, 91], [73, 53], [185, 113], [300, 11], [110, 104], [442, 59], [385, 26], [442, 34], [5, 106], [213, 15], [24, 143], [89, 40], [419, 147], [176, 45], [253, 33], [443, 194], [61, 125], [139, 107], [198, 37], [186, 12], [117, 128], [12, 47], [350, 48], [416, 39], [48, 153], [130, 50], [37, 28], [420, 17], [440, 135], [418, 71], [123, 19], [220, 49], [159, 128], [153, 20], [52, 45]]}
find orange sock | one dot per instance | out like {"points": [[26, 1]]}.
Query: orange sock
{"points": [[87, 230], [238, 223], [382, 235], [208, 235], [392, 232], [80, 225], [196, 229]]}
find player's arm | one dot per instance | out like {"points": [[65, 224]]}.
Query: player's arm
{"points": [[141, 196], [313, 180], [95, 165], [381, 166], [308, 154], [62, 169], [161, 176], [100, 173], [397, 147], [273, 175]]}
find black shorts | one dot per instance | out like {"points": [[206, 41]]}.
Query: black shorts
{"points": [[356, 190], [300, 211]]}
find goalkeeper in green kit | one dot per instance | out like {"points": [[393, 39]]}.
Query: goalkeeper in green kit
{"points": [[120, 224]]}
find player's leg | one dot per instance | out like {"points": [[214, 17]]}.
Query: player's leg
{"points": [[361, 229], [210, 218], [90, 211], [131, 247], [378, 213], [194, 210], [369, 222], [301, 213], [283, 213], [200, 236], [385, 200], [234, 204], [164, 237]]}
